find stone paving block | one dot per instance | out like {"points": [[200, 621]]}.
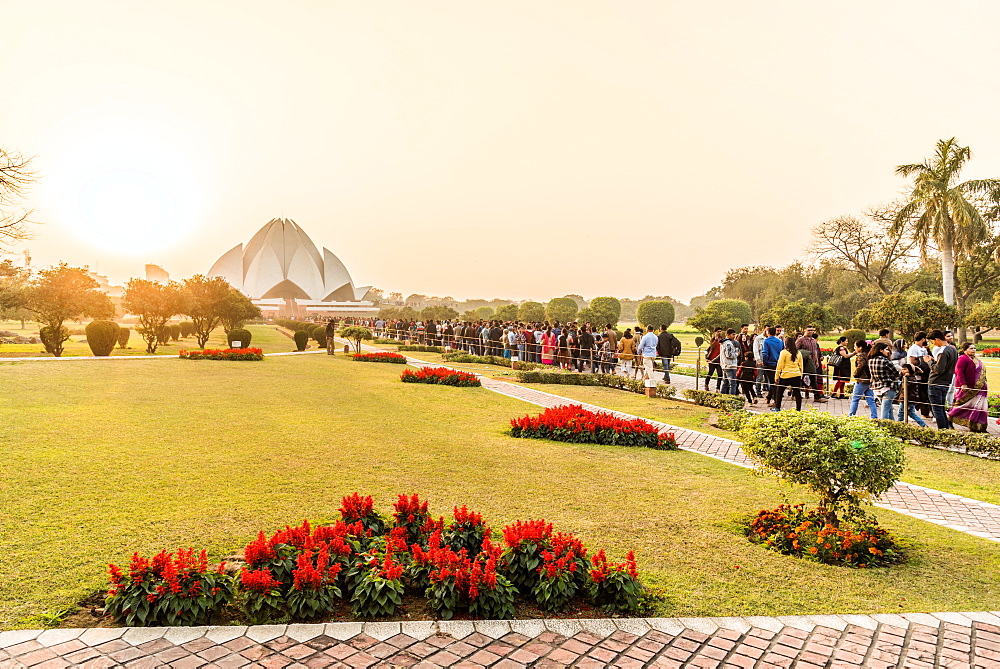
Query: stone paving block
{"points": [[982, 617], [892, 620], [343, 631], [223, 633], [14, 637], [636, 626], [381, 630], [766, 623], [58, 636], [96, 636], [418, 629], [137, 636], [456, 628], [831, 622], [181, 635], [671, 626], [494, 629], [302, 633], [703, 625], [861, 621], [264, 633], [529, 628], [802, 623], [921, 619], [732, 623], [563, 627], [600, 627], [951, 617]]}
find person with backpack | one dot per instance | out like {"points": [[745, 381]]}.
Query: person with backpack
{"points": [[668, 347], [712, 356], [746, 374]]}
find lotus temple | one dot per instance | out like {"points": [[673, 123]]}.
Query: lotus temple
{"points": [[282, 272]]}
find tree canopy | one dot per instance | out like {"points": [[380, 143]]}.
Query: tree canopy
{"points": [[723, 314]]}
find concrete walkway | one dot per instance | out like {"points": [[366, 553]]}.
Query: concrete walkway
{"points": [[807, 642]]}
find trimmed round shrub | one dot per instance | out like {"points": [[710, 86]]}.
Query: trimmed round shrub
{"points": [[301, 339], [854, 336], [175, 332], [240, 335], [123, 335], [319, 334], [187, 328], [102, 337], [163, 335]]}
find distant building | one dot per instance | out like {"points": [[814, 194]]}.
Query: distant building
{"points": [[282, 272], [156, 273]]}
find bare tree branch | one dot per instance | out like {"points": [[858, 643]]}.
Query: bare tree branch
{"points": [[16, 177]]}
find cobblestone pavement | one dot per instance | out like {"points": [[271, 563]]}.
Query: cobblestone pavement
{"points": [[880, 641]]}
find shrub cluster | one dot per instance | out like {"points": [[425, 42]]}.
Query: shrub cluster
{"points": [[380, 357], [498, 360], [102, 337], [123, 335], [733, 420], [301, 338], [175, 331], [223, 354], [607, 380], [794, 531], [240, 335], [420, 348], [573, 423], [442, 376], [715, 400], [372, 562], [970, 442], [318, 332], [295, 326]]}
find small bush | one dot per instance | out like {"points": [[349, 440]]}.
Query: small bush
{"points": [[716, 400], [301, 340], [575, 424], [854, 336], [733, 420], [441, 376], [187, 328], [969, 442], [223, 354], [123, 335], [794, 531], [420, 348], [498, 360], [467, 531], [379, 357], [318, 333], [102, 337], [163, 335], [240, 335], [846, 461], [613, 586], [175, 332], [663, 391]]}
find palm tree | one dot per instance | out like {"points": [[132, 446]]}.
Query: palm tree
{"points": [[945, 216]]}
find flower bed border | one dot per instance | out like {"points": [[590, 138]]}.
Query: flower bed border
{"points": [[443, 376], [237, 354], [380, 356], [572, 423]]}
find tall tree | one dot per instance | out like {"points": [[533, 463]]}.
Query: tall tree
{"points": [[63, 293], [945, 216], [15, 177], [204, 301], [14, 292], [155, 304], [237, 309]]}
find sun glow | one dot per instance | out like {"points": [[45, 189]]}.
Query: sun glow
{"points": [[124, 187]]}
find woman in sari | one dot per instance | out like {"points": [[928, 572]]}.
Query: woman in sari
{"points": [[548, 345], [970, 408]]}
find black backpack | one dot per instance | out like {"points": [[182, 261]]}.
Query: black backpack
{"points": [[675, 347]]}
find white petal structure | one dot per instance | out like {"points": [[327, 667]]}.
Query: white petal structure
{"points": [[281, 262]]}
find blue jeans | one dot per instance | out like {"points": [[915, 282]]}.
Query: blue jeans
{"points": [[887, 401], [863, 389], [938, 397], [912, 412], [729, 385], [666, 369]]}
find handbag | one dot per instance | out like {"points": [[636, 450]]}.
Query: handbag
{"points": [[834, 359]]}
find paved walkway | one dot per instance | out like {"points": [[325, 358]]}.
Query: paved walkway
{"points": [[807, 642]]}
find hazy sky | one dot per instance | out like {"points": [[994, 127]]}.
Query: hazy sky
{"points": [[484, 149]]}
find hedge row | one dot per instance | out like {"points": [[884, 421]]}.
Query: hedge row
{"points": [[420, 348], [498, 360], [715, 400], [605, 380]]}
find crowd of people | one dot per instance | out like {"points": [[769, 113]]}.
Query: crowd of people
{"points": [[930, 378]]}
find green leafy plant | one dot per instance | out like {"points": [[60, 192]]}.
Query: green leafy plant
{"points": [[240, 335], [301, 338], [102, 337], [716, 400], [318, 332], [357, 334], [466, 531], [615, 586], [847, 462], [123, 337]]}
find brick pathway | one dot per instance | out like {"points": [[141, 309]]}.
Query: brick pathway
{"points": [[916, 640]]}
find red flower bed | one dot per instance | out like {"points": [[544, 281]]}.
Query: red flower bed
{"points": [[224, 354], [991, 352], [442, 376], [575, 424], [380, 357]]}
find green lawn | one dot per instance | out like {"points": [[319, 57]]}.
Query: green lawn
{"points": [[264, 337], [101, 460]]}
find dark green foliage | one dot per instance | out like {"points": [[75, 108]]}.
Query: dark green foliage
{"points": [[715, 400], [655, 313], [854, 336], [242, 336], [495, 604], [52, 339], [123, 335], [421, 348], [376, 597], [163, 334], [301, 339], [318, 333], [175, 332], [102, 337], [187, 328], [615, 381]]}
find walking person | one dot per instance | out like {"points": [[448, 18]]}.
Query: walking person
{"points": [[884, 377], [906, 407], [626, 351], [813, 365], [647, 349], [729, 359], [840, 360], [758, 354], [788, 374], [548, 346], [771, 350], [862, 379], [712, 356], [587, 349], [971, 405], [940, 379], [747, 375], [668, 348]]}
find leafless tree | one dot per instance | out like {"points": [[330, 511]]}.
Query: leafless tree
{"points": [[15, 178], [868, 247]]}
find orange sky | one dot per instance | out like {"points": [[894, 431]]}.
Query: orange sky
{"points": [[484, 149]]}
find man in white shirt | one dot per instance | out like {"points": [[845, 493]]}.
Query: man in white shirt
{"points": [[918, 351], [647, 349]]}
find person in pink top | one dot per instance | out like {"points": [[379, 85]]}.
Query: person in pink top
{"points": [[549, 343], [971, 406]]}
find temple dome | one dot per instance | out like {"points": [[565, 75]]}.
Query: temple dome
{"points": [[280, 261]]}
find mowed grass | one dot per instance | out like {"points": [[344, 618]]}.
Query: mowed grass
{"points": [[956, 473], [265, 338], [102, 460]]}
